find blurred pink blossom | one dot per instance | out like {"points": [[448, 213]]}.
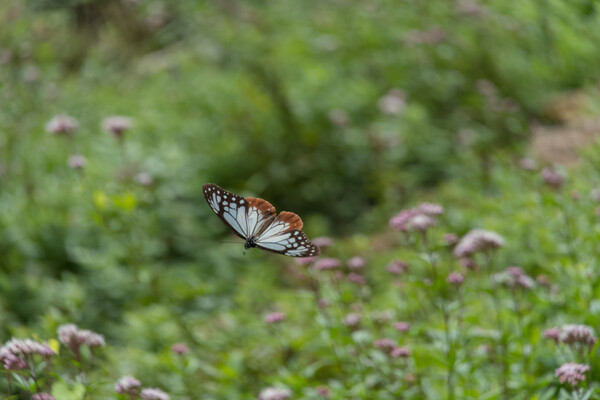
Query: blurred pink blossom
{"points": [[180, 349], [572, 373], [327, 263], [356, 263], [274, 317], [117, 125], [153, 394], [400, 352], [552, 177], [477, 240], [402, 326], [397, 267], [455, 279], [61, 125], [128, 385]]}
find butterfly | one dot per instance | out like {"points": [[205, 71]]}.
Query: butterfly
{"points": [[256, 221]]}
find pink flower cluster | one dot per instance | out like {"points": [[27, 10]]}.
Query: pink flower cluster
{"points": [[274, 318], [397, 267], [42, 396], [455, 279], [552, 177], [61, 125], [128, 385], [572, 373], [402, 326], [476, 241], [417, 219], [514, 277], [116, 125], [15, 351], [352, 319], [131, 386], [180, 349], [356, 263], [73, 337], [572, 334], [391, 348], [328, 263], [153, 394]]}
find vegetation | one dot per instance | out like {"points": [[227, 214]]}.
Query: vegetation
{"points": [[116, 112]]}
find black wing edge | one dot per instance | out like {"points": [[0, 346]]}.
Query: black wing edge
{"points": [[207, 193]]}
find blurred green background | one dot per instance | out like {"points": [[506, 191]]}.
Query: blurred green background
{"points": [[341, 111]]}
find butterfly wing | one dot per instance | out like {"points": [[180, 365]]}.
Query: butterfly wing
{"points": [[231, 208], [284, 236], [260, 215], [254, 217]]}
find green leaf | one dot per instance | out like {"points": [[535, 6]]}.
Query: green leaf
{"points": [[63, 391]]}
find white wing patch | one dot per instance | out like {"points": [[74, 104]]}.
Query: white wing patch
{"points": [[293, 243]]}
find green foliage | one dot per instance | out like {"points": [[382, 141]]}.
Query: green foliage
{"points": [[340, 111]]}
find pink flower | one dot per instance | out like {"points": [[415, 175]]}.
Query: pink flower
{"points": [[61, 125], [552, 177], [431, 209], [323, 241], [73, 337], [180, 349], [420, 223], [274, 318], [77, 162], [356, 263], [477, 240], [397, 267], [401, 220], [327, 263], [468, 263], [402, 326], [26, 347], [573, 334], [153, 394], [128, 385], [393, 103], [514, 277], [455, 279], [402, 352], [450, 238], [117, 125], [323, 391], [42, 396], [305, 260], [527, 164], [572, 373], [357, 279], [274, 393], [553, 334], [385, 344], [11, 361], [352, 320]]}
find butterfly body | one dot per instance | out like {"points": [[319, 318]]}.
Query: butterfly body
{"points": [[256, 221], [250, 243]]}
